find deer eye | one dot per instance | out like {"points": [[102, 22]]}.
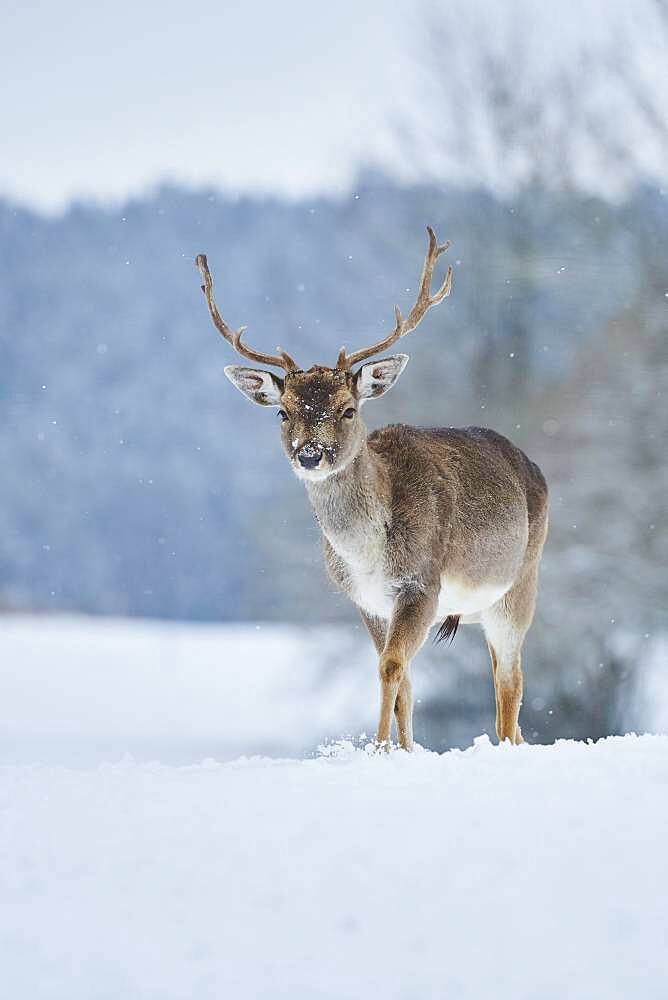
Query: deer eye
{"points": [[349, 413], [283, 416]]}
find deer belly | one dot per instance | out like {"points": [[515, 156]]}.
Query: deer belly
{"points": [[458, 598], [375, 593]]}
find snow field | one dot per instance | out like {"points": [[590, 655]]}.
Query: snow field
{"points": [[77, 690], [524, 872], [531, 872]]}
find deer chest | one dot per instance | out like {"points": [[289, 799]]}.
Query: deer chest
{"points": [[361, 552]]}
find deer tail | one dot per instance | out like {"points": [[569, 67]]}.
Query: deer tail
{"points": [[448, 629]]}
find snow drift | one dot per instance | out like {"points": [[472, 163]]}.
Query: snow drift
{"points": [[531, 872], [498, 871]]}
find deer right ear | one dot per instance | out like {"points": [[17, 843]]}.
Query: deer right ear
{"points": [[261, 387]]}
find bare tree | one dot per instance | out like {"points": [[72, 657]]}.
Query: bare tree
{"points": [[584, 119]]}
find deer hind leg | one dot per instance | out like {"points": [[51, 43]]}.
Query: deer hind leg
{"points": [[505, 645], [505, 626]]}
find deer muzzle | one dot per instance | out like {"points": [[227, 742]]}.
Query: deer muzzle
{"points": [[310, 455]]}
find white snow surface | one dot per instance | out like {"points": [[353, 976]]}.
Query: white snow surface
{"points": [[75, 689], [524, 872], [532, 872]]}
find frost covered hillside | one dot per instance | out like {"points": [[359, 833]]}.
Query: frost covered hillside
{"points": [[137, 860]]}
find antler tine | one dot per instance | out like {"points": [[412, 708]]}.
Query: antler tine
{"points": [[424, 301], [233, 337]]}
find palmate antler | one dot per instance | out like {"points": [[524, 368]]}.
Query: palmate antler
{"points": [[233, 337], [423, 302]]}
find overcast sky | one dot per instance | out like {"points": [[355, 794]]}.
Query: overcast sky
{"points": [[102, 99], [105, 100]]}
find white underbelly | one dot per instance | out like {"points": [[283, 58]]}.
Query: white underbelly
{"points": [[375, 593], [456, 598]]}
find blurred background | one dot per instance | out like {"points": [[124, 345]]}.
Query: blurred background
{"points": [[304, 148]]}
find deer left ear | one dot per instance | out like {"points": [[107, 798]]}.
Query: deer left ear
{"points": [[375, 378]]}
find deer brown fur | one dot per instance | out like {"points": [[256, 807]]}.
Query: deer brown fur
{"points": [[419, 525]]}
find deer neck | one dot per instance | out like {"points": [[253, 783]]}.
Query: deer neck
{"points": [[352, 506]]}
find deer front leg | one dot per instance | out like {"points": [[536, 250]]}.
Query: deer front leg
{"points": [[412, 617], [403, 707], [377, 629], [403, 711]]}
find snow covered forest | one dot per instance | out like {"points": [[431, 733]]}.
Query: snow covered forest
{"points": [[191, 803], [140, 484]]}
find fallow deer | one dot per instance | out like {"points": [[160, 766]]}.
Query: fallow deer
{"points": [[420, 526]]}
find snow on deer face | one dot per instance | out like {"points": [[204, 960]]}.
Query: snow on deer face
{"points": [[321, 428]]}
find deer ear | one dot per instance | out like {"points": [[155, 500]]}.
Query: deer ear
{"points": [[263, 388], [375, 378]]}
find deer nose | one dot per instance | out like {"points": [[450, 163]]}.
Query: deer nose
{"points": [[309, 456]]}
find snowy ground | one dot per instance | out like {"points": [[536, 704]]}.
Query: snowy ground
{"points": [[494, 872], [78, 690], [523, 872]]}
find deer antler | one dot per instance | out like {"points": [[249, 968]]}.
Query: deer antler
{"points": [[423, 302], [233, 337]]}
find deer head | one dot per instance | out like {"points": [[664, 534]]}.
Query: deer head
{"points": [[321, 427]]}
